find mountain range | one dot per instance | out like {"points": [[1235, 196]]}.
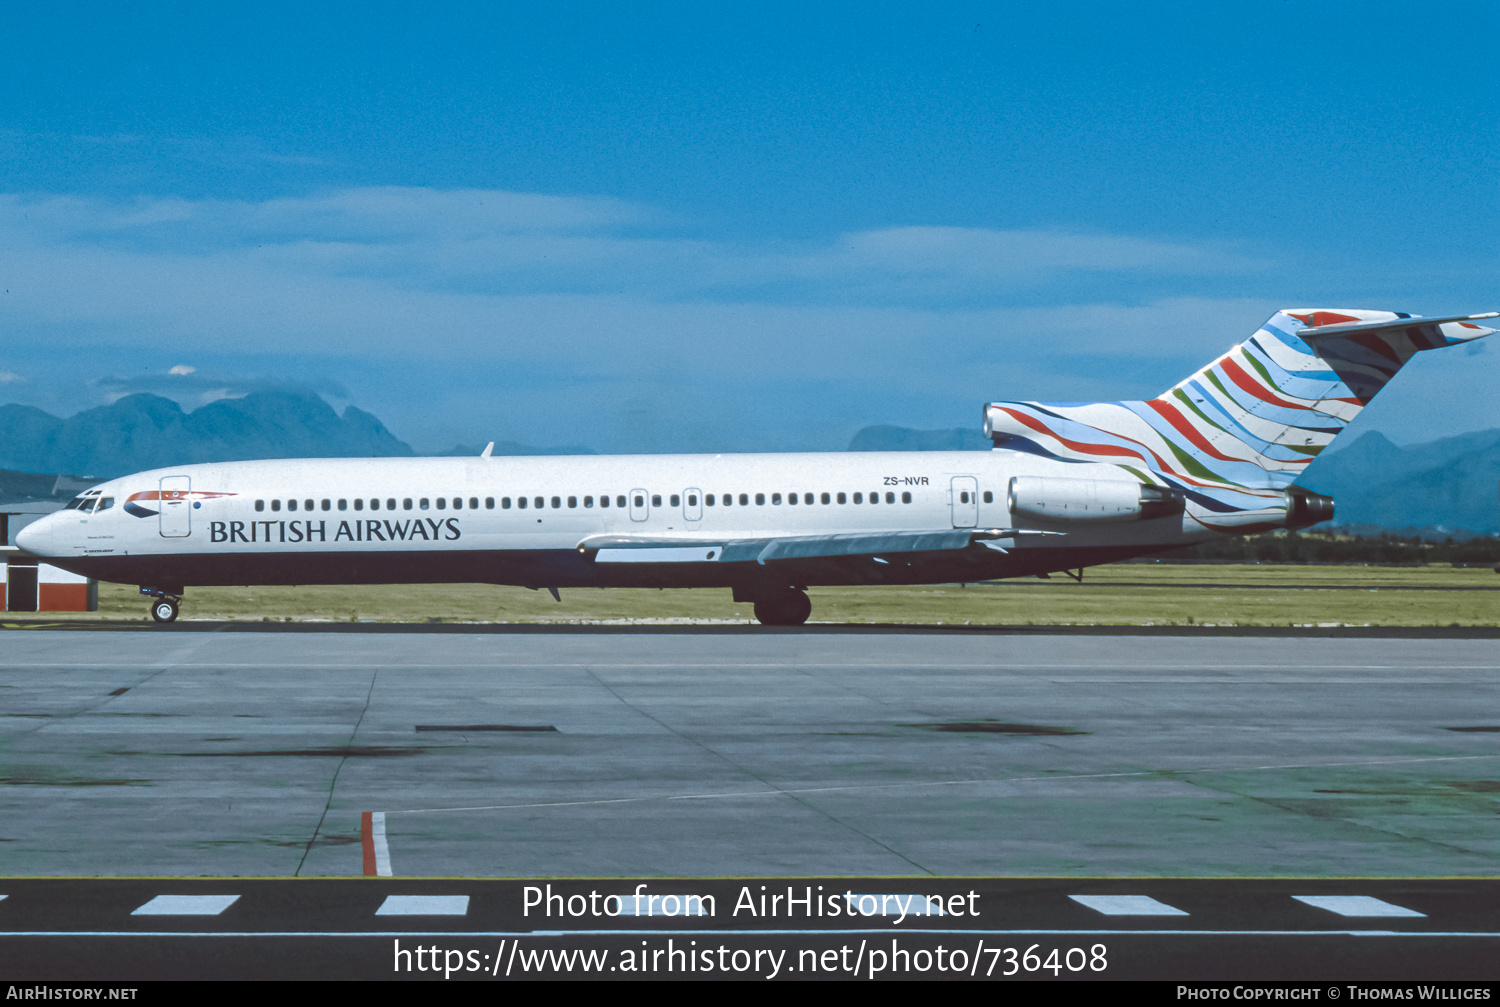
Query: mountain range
{"points": [[1449, 486], [147, 431]]}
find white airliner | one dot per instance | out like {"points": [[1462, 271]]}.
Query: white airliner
{"points": [[1069, 485]]}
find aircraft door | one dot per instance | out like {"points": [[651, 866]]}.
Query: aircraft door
{"points": [[640, 505], [175, 500], [964, 495], [692, 504]]}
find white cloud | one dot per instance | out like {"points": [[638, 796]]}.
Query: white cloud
{"points": [[182, 369], [10, 378]]}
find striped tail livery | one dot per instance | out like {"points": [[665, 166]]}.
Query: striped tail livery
{"points": [[1234, 437]]}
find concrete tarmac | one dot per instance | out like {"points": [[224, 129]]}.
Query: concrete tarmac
{"points": [[703, 754]]}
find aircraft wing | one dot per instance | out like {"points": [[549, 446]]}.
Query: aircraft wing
{"points": [[653, 549]]}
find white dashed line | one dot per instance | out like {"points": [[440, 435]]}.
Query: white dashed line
{"points": [[1356, 905], [894, 905], [424, 905], [1127, 905], [186, 905]]}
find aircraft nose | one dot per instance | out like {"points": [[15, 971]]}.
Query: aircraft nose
{"points": [[37, 537]]}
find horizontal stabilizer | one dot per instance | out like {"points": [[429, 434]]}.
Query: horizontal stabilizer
{"points": [[1460, 322]]}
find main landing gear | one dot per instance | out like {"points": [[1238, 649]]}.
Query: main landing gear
{"points": [[163, 605], [789, 607]]}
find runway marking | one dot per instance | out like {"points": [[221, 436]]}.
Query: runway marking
{"points": [[855, 665], [1127, 905], [1356, 905], [891, 905], [631, 905], [632, 932], [186, 905], [788, 792], [424, 905], [377, 855]]}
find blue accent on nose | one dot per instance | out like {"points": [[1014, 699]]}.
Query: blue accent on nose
{"points": [[197, 504]]}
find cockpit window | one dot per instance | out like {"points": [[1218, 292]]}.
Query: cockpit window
{"points": [[105, 504]]}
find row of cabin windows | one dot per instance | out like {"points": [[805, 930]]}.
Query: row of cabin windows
{"points": [[390, 503], [709, 499]]}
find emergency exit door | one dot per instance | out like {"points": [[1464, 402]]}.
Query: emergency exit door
{"points": [[965, 497]]}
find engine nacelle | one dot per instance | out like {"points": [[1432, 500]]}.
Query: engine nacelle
{"points": [[1095, 501], [1304, 508]]}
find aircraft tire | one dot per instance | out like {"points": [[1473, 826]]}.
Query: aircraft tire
{"points": [[164, 610], [790, 608]]}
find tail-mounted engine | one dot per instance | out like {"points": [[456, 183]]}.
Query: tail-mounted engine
{"points": [[1304, 508], [1095, 501]]}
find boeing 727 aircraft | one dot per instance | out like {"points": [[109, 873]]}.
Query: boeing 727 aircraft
{"points": [[1068, 485]]}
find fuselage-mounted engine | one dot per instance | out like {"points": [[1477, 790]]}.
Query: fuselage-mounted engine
{"points": [[1091, 501]]}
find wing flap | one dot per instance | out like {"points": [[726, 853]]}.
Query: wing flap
{"points": [[643, 549]]}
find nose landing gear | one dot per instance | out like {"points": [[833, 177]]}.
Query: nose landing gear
{"points": [[164, 606]]}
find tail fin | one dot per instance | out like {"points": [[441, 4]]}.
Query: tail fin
{"points": [[1250, 421]]}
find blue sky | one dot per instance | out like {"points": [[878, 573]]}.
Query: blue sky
{"points": [[704, 227]]}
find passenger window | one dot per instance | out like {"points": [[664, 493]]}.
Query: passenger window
{"points": [[291, 505], [375, 504], [259, 504], [442, 503], [807, 498], [588, 501], [540, 502], [604, 500], [390, 503], [775, 499], [276, 505], [728, 499], [656, 500], [343, 505], [422, 503], [359, 505], [572, 501], [692, 499], [791, 498], [890, 497], [307, 505], [640, 501], [859, 498], [676, 500], [521, 503], [709, 499], [505, 503], [989, 497], [619, 501], [327, 504], [841, 498], [458, 503], [556, 502], [405, 504], [760, 499], [826, 498], [474, 503], [963, 497], [906, 497]]}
